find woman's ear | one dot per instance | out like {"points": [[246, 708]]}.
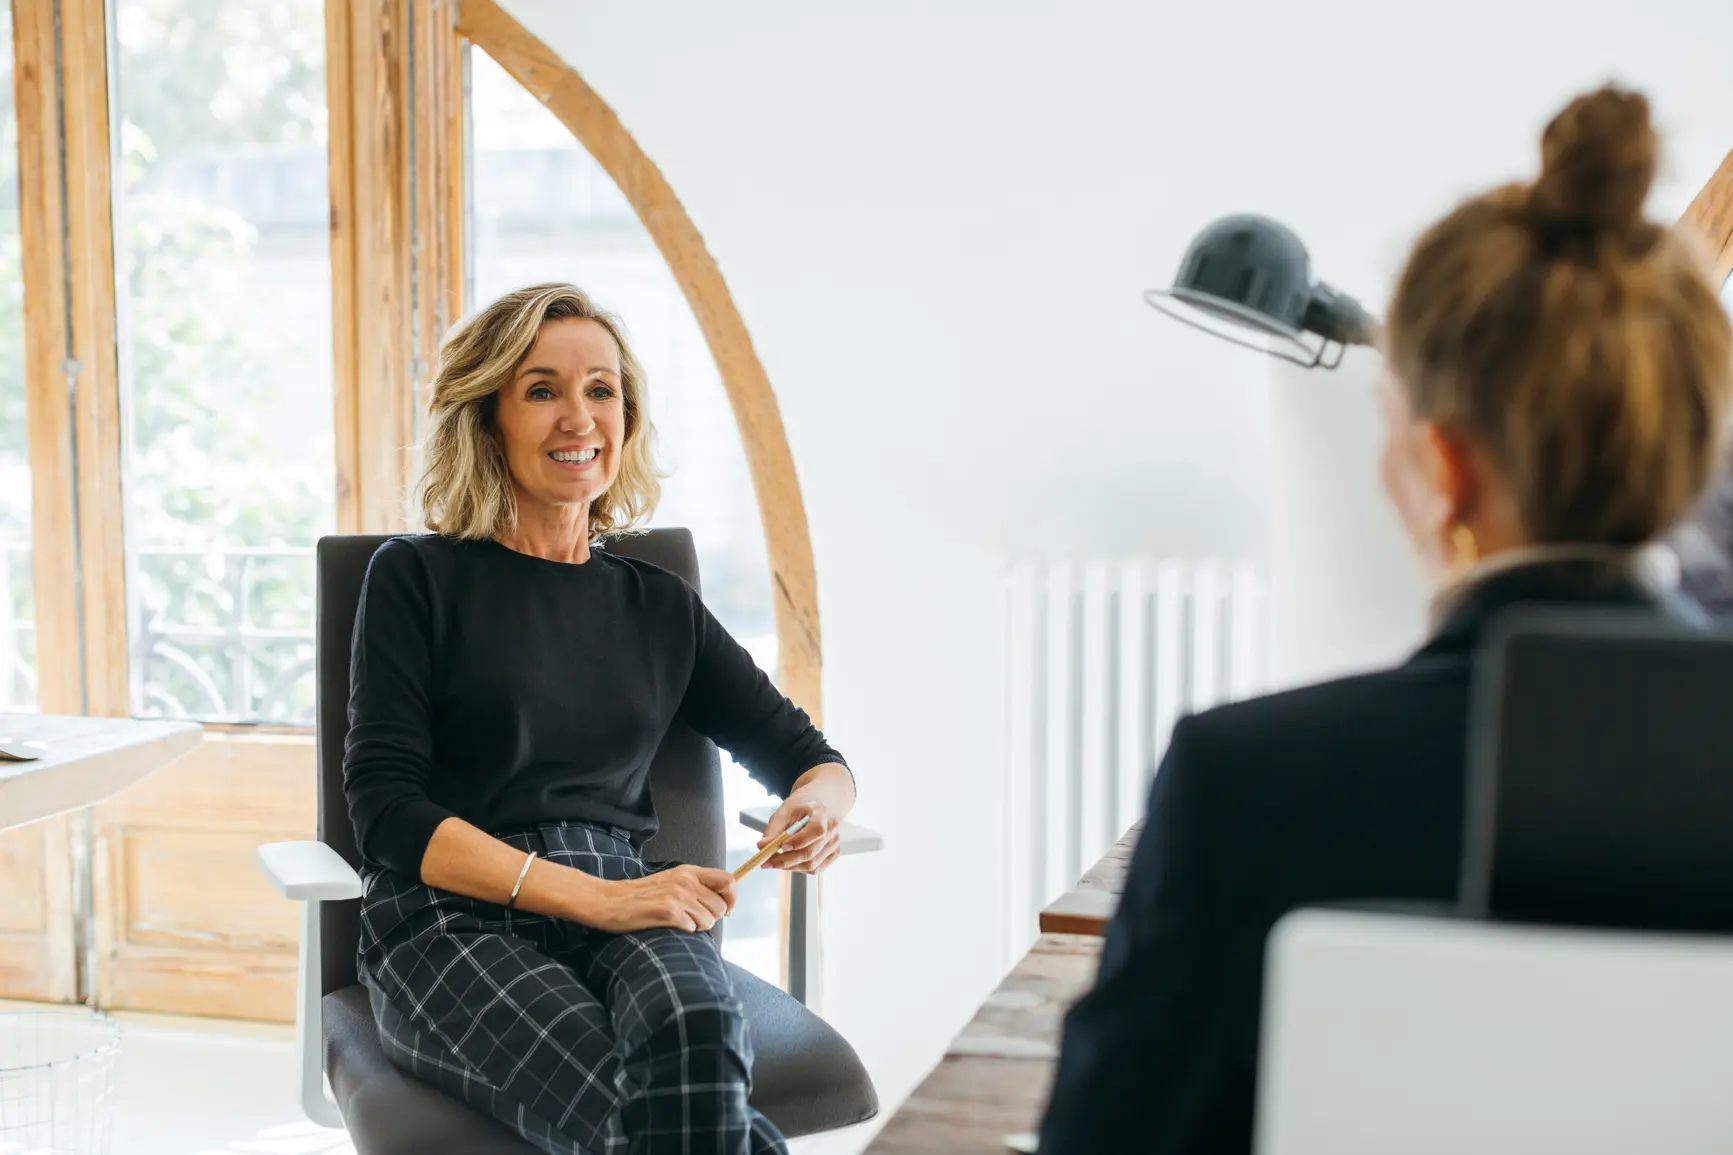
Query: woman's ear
{"points": [[1450, 471], [487, 413]]}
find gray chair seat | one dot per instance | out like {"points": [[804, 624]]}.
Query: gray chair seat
{"points": [[805, 1076]]}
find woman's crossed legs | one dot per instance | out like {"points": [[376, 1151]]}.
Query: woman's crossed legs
{"points": [[624, 1045]]}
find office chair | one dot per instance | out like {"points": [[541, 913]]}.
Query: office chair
{"points": [[1580, 998], [806, 1078]]}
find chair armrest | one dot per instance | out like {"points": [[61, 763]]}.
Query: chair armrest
{"points": [[805, 967], [308, 872], [855, 839]]}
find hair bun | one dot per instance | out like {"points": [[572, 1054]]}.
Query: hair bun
{"points": [[1598, 159]]}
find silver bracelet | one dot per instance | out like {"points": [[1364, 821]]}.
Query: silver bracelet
{"points": [[511, 902]]}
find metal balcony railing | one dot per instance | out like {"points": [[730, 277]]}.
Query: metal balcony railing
{"points": [[223, 635], [217, 635]]}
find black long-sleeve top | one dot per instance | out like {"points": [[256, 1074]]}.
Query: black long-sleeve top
{"points": [[509, 690]]}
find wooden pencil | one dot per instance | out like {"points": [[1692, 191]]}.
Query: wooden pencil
{"points": [[763, 856]]}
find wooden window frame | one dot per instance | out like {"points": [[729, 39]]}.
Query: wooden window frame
{"points": [[396, 135], [394, 93], [1710, 216], [770, 462], [393, 74], [394, 87], [66, 214], [594, 124]]}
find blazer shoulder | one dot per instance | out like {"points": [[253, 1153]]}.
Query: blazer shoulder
{"points": [[1273, 727]]}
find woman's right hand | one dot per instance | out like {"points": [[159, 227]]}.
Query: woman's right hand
{"points": [[689, 898]]}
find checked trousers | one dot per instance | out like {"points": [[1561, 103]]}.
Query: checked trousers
{"points": [[583, 1042]]}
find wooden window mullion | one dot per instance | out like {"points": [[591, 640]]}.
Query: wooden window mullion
{"points": [[66, 216], [370, 65], [47, 348], [339, 88], [437, 156], [91, 302]]}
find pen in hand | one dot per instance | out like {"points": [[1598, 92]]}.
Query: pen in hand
{"points": [[763, 856]]}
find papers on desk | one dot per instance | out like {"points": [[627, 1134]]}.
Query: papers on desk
{"points": [[73, 761]]}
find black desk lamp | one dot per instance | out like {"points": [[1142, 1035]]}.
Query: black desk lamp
{"points": [[1247, 275]]}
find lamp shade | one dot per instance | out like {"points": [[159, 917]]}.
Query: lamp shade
{"points": [[1249, 276]]}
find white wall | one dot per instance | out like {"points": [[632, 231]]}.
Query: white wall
{"points": [[1417, 133], [937, 219], [1345, 594]]}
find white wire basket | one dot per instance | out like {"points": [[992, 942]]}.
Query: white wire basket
{"points": [[57, 1082]]}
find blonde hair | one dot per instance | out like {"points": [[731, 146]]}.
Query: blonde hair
{"points": [[1576, 341], [465, 489]]}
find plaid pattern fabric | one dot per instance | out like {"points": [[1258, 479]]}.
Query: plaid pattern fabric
{"points": [[584, 1043]]}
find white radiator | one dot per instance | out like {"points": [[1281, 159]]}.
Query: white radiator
{"points": [[1102, 657]]}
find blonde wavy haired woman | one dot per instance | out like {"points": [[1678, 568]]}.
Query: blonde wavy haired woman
{"points": [[510, 686]]}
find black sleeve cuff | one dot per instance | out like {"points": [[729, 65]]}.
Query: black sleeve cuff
{"points": [[401, 834]]}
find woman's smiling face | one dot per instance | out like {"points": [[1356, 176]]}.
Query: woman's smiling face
{"points": [[562, 417]]}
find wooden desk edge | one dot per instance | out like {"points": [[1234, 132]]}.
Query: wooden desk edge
{"points": [[1080, 912], [969, 1102], [88, 777]]}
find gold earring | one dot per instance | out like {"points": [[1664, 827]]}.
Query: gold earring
{"points": [[1464, 549]]}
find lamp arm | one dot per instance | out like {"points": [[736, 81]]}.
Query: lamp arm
{"points": [[1335, 316]]}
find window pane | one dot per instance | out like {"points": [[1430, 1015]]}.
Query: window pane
{"points": [[224, 268], [17, 611], [543, 210]]}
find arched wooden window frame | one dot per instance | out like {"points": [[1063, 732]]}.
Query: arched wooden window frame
{"points": [[1710, 216], [394, 72], [588, 118], [397, 251], [396, 154]]}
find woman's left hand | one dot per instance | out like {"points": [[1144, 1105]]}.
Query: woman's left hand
{"points": [[811, 850]]}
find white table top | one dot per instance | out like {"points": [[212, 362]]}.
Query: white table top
{"points": [[86, 760]]}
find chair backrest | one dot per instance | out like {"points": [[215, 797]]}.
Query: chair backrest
{"points": [[1387, 1032], [685, 776], [1601, 774]]}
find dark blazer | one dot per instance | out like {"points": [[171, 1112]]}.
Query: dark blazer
{"points": [[1350, 789]]}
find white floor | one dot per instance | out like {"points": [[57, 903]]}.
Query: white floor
{"points": [[192, 1087]]}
